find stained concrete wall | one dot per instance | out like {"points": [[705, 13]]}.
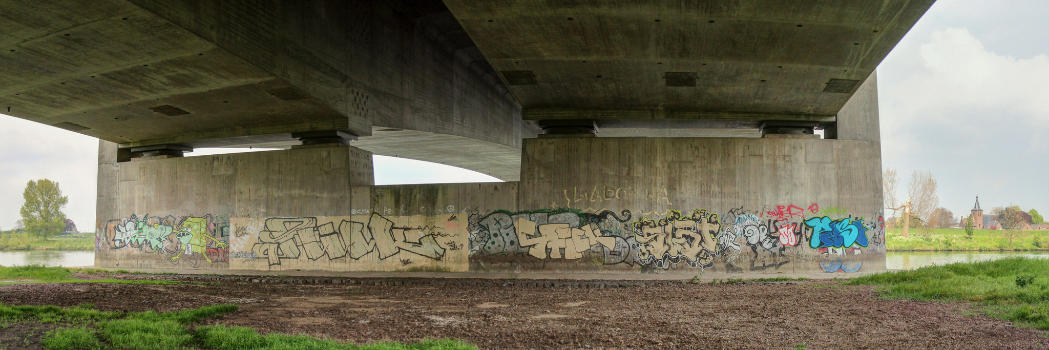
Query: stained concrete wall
{"points": [[176, 212], [629, 205], [689, 204]]}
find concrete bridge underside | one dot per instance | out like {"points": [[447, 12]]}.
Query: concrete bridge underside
{"points": [[638, 136]]}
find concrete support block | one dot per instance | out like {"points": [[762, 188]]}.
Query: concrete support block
{"points": [[180, 212]]}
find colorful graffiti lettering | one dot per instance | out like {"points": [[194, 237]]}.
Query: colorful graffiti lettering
{"points": [[787, 212], [678, 238], [787, 235], [205, 237], [561, 234], [293, 238], [836, 233]]}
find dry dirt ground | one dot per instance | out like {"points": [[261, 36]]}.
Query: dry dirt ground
{"points": [[527, 314]]}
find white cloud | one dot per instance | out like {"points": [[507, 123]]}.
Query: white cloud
{"points": [[976, 118]]}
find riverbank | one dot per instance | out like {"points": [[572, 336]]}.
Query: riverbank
{"points": [[1012, 289], [956, 240], [520, 314], [21, 241]]}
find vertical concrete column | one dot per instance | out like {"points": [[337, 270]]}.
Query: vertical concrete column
{"points": [[106, 194], [858, 121], [191, 213]]}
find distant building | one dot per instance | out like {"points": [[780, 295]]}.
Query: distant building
{"points": [[977, 214]]}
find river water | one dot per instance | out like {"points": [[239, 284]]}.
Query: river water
{"points": [[48, 258], [894, 260]]}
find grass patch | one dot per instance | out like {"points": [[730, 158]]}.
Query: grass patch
{"points": [[71, 338], [174, 330], [45, 274], [52, 314], [10, 240], [955, 239], [236, 338], [1014, 289], [34, 272]]}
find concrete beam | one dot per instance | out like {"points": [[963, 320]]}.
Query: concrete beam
{"points": [[752, 56]]}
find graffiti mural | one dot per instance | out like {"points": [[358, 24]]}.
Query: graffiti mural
{"points": [[551, 234], [736, 240], [341, 242], [841, 233], [733, 240], [838, 260], [178, 239], [677, 238], [294, 238]]}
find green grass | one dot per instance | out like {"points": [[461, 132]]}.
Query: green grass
{"points": [[52, 314], [1015, 289], [955, 239], [42, 274], [10, 240], [175, 330], [34, 272], [236, 338], [71, 338]]}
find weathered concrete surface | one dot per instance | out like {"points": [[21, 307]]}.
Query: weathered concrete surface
{"points": [[177, 210], [675, 206], [688, 59], [406, 78], [236, 74]]}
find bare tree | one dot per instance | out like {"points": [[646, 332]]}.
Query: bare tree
{"points": [[888, 183], [922, 193]]}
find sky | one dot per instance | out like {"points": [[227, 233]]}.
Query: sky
{"points": [[964, 95]]}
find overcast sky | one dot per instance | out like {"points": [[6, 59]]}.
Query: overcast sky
{"points": [[964, 95]]}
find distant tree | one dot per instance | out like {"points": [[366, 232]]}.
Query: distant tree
{"points": [[42, 211], [1012, 218], [941, 218], [888, 186], [969, 228], [1036, 218], [922, 193]]}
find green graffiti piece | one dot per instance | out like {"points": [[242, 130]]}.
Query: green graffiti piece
{"points": [[194, 236]]}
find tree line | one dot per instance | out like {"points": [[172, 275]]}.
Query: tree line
{"points": [[925, 209]]}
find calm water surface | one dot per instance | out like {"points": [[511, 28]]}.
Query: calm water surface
{"points": [[48, 258], [914, 260], [894, 261]]}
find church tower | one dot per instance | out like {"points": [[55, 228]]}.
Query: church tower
{"points": [[977, 214]]}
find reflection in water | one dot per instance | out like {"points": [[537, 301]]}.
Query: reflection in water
{"points": [[914, 260], [48, 258]]}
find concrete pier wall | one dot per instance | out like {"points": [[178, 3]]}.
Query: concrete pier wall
{"points": [[666, 205]]}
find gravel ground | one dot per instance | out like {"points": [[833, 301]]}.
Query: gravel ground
{"points": [[520, 314]]}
